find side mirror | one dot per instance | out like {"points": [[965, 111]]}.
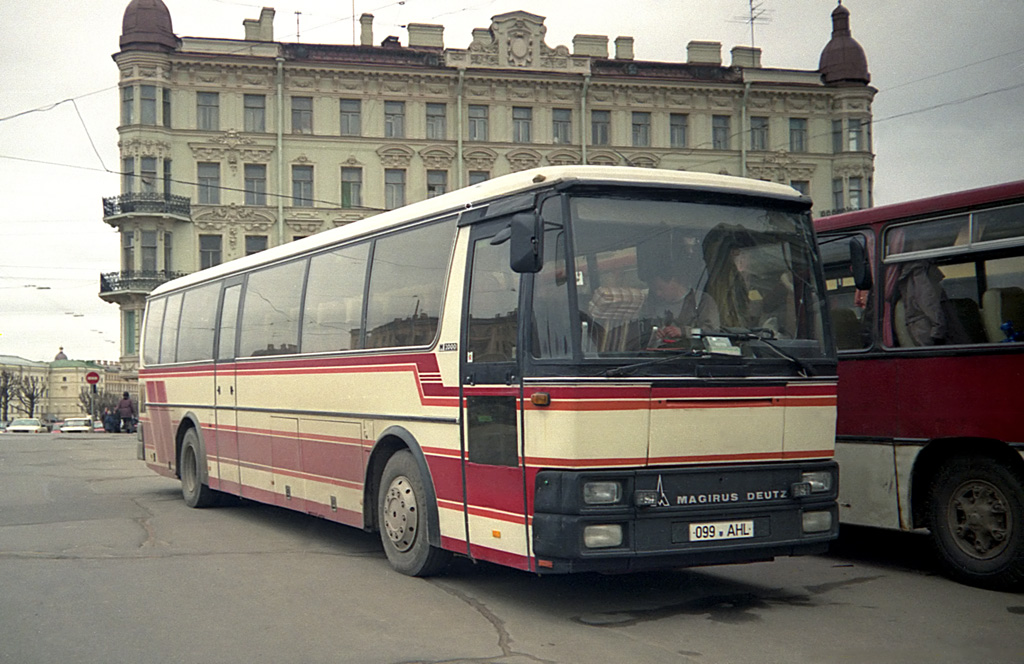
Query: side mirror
{"points": [[526, 248], [859, 264]]}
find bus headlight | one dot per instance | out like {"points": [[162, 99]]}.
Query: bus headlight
{"points": [[602, 493], [820, 480], [817, 522], [603, 536]]}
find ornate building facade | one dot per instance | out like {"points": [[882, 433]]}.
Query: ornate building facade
{"points": [[230, 146]]}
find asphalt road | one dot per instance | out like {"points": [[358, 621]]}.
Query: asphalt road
{"points": [[100, 561]]}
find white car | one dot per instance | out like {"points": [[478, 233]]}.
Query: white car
{"points": [[26, 425], [77, 425]]}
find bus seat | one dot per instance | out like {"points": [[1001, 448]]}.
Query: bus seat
{"points": [[846, 328], [999, 305], [969, 314], [613, 308], [900, 323]]}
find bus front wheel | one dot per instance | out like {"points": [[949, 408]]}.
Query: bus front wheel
{"points": [[195, 493], [976, 517], [402, 516]]}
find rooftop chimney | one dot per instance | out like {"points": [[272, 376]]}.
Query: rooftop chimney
{"points": [[595, 46], [261, 29], [366, 30], [623, 48], [704, 53], [746, 56], [426, 34]]}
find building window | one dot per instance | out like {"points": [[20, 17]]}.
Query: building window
{"points": [[858, 135], [128, 175], [255, 244], [209, 183], [255, 113], [128, 251], [437, 183], [476, 177], [856, 191], [351, 111], [600, 127], [302, 115], [148, 175], [255, 184], [394, 119], [129, 332], [522, 124], [837, 194], [561, 126], [167, 177], [302, 186], [641, 129], [147, 104], [436, 122], [837, 136], [477, 122], [758, 133], [167, 107], [677, 129], [351, 187], [394, 188], [168, 244], [721, 132], [127, 105], [803, 186], [208, 111], [209, 251], [798, 135], [148, 251]]}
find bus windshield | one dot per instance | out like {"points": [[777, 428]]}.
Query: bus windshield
{"points": [[656, 278]]}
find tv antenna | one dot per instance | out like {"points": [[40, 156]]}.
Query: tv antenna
{"points": [[757, 14], [298, 38]]}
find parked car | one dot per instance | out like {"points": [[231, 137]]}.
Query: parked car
{"points": [[97, 426], [77, 425], [26, 425]]}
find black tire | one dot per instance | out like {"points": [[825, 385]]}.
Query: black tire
{"points": [[976, 518], [402, 518], [195, 493]]}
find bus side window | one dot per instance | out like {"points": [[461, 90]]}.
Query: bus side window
{"points": [[270, 311]]}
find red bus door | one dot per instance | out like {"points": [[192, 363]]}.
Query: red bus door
{"points": [[494, 492]]}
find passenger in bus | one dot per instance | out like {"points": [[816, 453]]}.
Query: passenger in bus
{"points": [[930, 317], [679, 306]]}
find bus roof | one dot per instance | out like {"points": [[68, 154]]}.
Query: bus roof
{"points": [[483, 192], [960, 200]]}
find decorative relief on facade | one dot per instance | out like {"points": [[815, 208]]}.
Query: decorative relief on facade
{"points": [[644, 160], [603, 158], [144, 147], [395, 156], [232, 148], [302, 227], [516, 40], [564, 158], [781, 167], [208, 78], [436, 157], [346, 218], [479, 159], [523, 159], [853, 170]]}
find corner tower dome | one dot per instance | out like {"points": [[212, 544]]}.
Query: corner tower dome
{"points": [[147, 27], [843, 59]]}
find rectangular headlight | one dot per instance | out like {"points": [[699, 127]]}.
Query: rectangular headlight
{"points": [[820, 480], [602, 493], [817, 522], [603, 536]]}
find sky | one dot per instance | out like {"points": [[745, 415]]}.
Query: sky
{"points": [[949, 113]]}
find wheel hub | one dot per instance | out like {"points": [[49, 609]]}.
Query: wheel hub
{"points": [[400, 514], [978, 516]]}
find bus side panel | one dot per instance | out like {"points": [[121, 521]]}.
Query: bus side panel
{"points": [[867, 484]]}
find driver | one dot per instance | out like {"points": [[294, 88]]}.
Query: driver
{"points": [[685, 307]]}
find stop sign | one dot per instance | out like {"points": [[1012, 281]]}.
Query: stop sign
{"points": [[92, 378]]}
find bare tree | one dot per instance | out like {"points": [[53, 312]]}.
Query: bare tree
{"points": [[30, 391], [101, 401], [8, 388]]}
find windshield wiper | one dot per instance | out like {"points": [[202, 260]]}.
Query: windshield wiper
{"points": [[675, 355], [767, 337]]}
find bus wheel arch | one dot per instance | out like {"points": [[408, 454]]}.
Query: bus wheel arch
{"points": [[190, 450], [973, 504]]}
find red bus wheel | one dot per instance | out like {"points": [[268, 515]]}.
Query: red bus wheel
{"points": [[402, 516], [976, 517]]}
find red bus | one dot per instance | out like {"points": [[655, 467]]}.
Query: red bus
{"points": [[489, 373], [927, 303]]}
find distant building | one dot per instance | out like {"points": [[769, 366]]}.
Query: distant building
{"points": [[64, 381], [230, 146]]}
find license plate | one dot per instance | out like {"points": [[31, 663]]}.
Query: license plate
{"points": [[721, 530]]}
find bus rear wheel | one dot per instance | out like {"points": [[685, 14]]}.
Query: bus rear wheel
{"points": [[976, 517], [402, 516], [195, 493]]}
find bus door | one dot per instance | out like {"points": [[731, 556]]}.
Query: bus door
{"points": [[493, 466], [225, 397]]}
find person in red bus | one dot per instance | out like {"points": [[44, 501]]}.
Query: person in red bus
{"points": [[929, 317]]}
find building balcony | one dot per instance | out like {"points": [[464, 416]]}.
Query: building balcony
{"points": [[147, 202], [118, 287]]}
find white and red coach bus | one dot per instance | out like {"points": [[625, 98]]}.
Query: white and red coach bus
{"points": [[488, 373], [931, 365]]}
